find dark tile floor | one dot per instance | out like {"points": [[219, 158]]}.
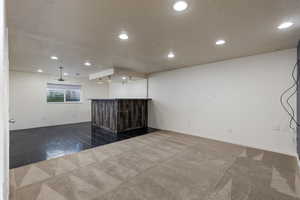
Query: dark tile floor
{"points": [[33, 145]]}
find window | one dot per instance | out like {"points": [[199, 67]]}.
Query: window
{"points": [[73, 95], [55, 95], [61, 93]]}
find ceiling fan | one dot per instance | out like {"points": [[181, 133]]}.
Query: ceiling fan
{"points": [[61, 74]]}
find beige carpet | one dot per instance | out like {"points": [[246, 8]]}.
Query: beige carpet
{"points": [[160, 166]]}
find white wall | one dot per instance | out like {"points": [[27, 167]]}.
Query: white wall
{"points": [[133, 89], [4, 133], [235, 101], [29, 107], [5, 126]]}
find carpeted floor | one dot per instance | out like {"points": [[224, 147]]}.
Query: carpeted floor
{"points": [[160, 166]]}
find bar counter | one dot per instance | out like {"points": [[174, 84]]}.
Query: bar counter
{"points": [[119, 115]]}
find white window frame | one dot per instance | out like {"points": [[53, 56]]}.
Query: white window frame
{"points": [[64, 91]]}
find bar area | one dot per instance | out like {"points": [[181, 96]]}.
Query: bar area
{"points": [[120, 115]]}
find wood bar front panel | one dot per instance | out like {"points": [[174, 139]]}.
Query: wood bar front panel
{"points": [[104, 115], [133, 114], [120, 115]]}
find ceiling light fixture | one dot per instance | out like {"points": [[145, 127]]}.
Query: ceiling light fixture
{"points": [[220, 42], [54, 57], [87, 63], [40, 70], [109, 79], [123, 36], [171, 55], [285, 25], [100, 81], [124, 78], [180, 6]]}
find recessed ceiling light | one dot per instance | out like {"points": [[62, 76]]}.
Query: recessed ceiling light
{"points": [[171, 55], [40, 70], [54, 57], [285, 25], [124, 77], [220, 42], [180, 6], [123, 36], [66, 74], [87, 63]]}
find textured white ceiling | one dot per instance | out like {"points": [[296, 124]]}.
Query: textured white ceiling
{"points": [[79, 30]]}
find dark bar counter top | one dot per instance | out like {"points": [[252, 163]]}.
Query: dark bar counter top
{"points": [[118, 115], [108, 99]]}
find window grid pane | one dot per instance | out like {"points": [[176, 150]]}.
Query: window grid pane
{"points": [[72, 95], [55, 95], [61, 93]]}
